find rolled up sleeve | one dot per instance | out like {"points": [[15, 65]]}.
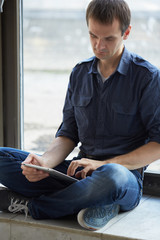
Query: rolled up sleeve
{"points": [[68, 127]]}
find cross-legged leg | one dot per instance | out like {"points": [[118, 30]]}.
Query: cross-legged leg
{"points": [[109, 184]]}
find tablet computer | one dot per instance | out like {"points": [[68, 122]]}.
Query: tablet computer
{"points": [[53, 173]]}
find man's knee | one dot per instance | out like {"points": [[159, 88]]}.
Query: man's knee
{"points": [[113, 174], [2, 151]]}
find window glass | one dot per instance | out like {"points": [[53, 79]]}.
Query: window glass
{"points": [[55, 39]]}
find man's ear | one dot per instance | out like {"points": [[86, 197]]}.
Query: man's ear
{"points": [[127, 32]]}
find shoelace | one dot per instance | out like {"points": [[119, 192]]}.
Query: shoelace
{"points": [[17, 206]]}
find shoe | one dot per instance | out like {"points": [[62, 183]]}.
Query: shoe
{"points": [[97, 217], [12, 202]]}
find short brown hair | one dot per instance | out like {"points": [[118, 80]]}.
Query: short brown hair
{"points": [[105, 11]]}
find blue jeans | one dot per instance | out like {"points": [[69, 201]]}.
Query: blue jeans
{"points": [[49, 198]]}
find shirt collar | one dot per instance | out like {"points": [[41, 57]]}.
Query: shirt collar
{"points": [[93, 67], [122, 66], [124, 62]]}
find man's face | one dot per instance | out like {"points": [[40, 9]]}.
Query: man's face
{"points": [[106, 39]]}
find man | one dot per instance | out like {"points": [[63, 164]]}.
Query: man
{"points": [[112, 108]]}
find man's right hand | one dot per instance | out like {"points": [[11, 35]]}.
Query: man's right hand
{"points": [[33, 175]]}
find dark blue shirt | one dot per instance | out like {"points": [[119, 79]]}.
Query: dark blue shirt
{"points": [[117, 116]]}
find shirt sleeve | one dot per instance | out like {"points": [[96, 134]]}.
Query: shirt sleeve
{"points": [[68, 127], [150, 106]]}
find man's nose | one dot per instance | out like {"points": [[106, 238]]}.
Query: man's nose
{"points": [[100, 44]]}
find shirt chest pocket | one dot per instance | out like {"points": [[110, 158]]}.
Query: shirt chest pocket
{"points": [[80, 101], [82, 111], [125, 119]]}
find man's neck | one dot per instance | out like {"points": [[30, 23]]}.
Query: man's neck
{"points": [[107, 67]]}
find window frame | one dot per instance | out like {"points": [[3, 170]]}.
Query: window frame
{"points": [[11, 85], [11, 72], [1, 90]]}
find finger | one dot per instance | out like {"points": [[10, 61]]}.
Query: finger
{"points": [[36, 178], [29, 158], [84, 172], [27, 171], [36, 175], [72, 167], [78, 174], [33, 159]]}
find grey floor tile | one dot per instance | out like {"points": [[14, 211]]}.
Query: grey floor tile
{"points": [[67, 222], [32, 232], [142, 222], [120, 216], [4, 231], [6, 216]]}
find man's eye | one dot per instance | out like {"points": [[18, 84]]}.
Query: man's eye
{"points": [[109, 39], [92, 36]]}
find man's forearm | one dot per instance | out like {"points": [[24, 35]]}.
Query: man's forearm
{"points": [[60, 148], [140, 157]]}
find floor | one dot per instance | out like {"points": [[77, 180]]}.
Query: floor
{"points": [[141, 223]]}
